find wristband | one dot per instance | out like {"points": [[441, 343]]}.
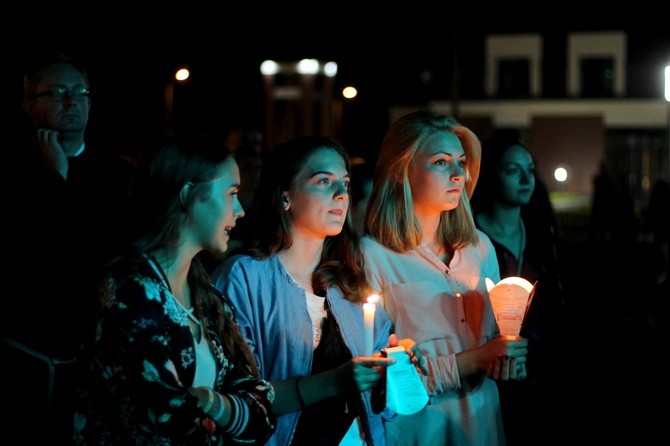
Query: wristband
{"points": [[210, 401], [221, 409]]}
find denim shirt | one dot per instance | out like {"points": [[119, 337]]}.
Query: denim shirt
{"points": [[273, 316]]}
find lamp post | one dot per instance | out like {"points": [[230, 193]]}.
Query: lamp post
{"points": [[179, 76], [300, 89]]}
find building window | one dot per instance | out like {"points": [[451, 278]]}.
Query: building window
{"points": [[597, 75], [513, 78]]}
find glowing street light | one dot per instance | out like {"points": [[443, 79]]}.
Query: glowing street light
{"points": [[302, 92], [561, 176], [349, 92], [181, 75]]}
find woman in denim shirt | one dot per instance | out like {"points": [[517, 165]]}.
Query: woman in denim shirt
{"points": [[298, 296]]}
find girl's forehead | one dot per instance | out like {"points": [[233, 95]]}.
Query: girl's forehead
{"points": [[516, 152], [324, 160], [444, 142], [228, 172]]}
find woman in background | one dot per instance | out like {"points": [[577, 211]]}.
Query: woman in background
{"points": [[513, 209]]}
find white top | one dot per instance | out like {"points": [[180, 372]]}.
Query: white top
{"points": [[446, 310], [317, 312], [205, 366]]}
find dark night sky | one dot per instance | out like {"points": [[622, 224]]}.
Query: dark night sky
{"points": [[129, 58]]}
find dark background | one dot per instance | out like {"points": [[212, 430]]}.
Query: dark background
{"points": [[404, 56], [395, 54]]}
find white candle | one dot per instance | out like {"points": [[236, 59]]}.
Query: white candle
{"points": [[369, 324]]}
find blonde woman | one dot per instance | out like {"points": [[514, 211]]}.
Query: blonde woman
{"points": [[425, 256]]}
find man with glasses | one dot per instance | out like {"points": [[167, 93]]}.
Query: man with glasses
{"points": [[65, 200], [57, 99]]}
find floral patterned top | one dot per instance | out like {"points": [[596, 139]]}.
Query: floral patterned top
{"points": [[143, 361]]}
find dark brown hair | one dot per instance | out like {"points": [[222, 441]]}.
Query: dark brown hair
{"points": [[341, 260]]}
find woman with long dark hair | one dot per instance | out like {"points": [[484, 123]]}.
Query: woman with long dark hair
{"points": [[169, 365]]}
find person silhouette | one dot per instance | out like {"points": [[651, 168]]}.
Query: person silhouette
{"points": [[63, 225]]}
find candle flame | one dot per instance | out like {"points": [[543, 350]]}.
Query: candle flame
{"points": [[513, 280], [373, 298]]}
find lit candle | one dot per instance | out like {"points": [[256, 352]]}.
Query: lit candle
{"points": [[369, 324]]}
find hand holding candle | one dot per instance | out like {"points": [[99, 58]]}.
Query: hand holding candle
{"points": [[369, 324]]}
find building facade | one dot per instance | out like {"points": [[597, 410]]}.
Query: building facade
{"points": [[593, 120]]}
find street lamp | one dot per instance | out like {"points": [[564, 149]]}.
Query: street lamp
{"points": [[302, 89], [179, 76], [561, 176]]}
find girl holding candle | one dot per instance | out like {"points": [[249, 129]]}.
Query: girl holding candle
{"points": [[299, 295], [428, 261]]}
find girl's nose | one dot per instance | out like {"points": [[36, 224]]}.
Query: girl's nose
{"points": [[341, 189], [457, 172]]}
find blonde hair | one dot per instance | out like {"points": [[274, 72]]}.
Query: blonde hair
{"points": [[390, 214]]}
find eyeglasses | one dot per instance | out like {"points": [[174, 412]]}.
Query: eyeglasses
{"points": [[60, 93]]}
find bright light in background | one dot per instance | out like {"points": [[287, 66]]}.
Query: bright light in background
{"points": [[269, 67], [182, 74], [560, 174], [330, 69], [308, 66], [169, 96], [349, 92], [309, 81]]}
